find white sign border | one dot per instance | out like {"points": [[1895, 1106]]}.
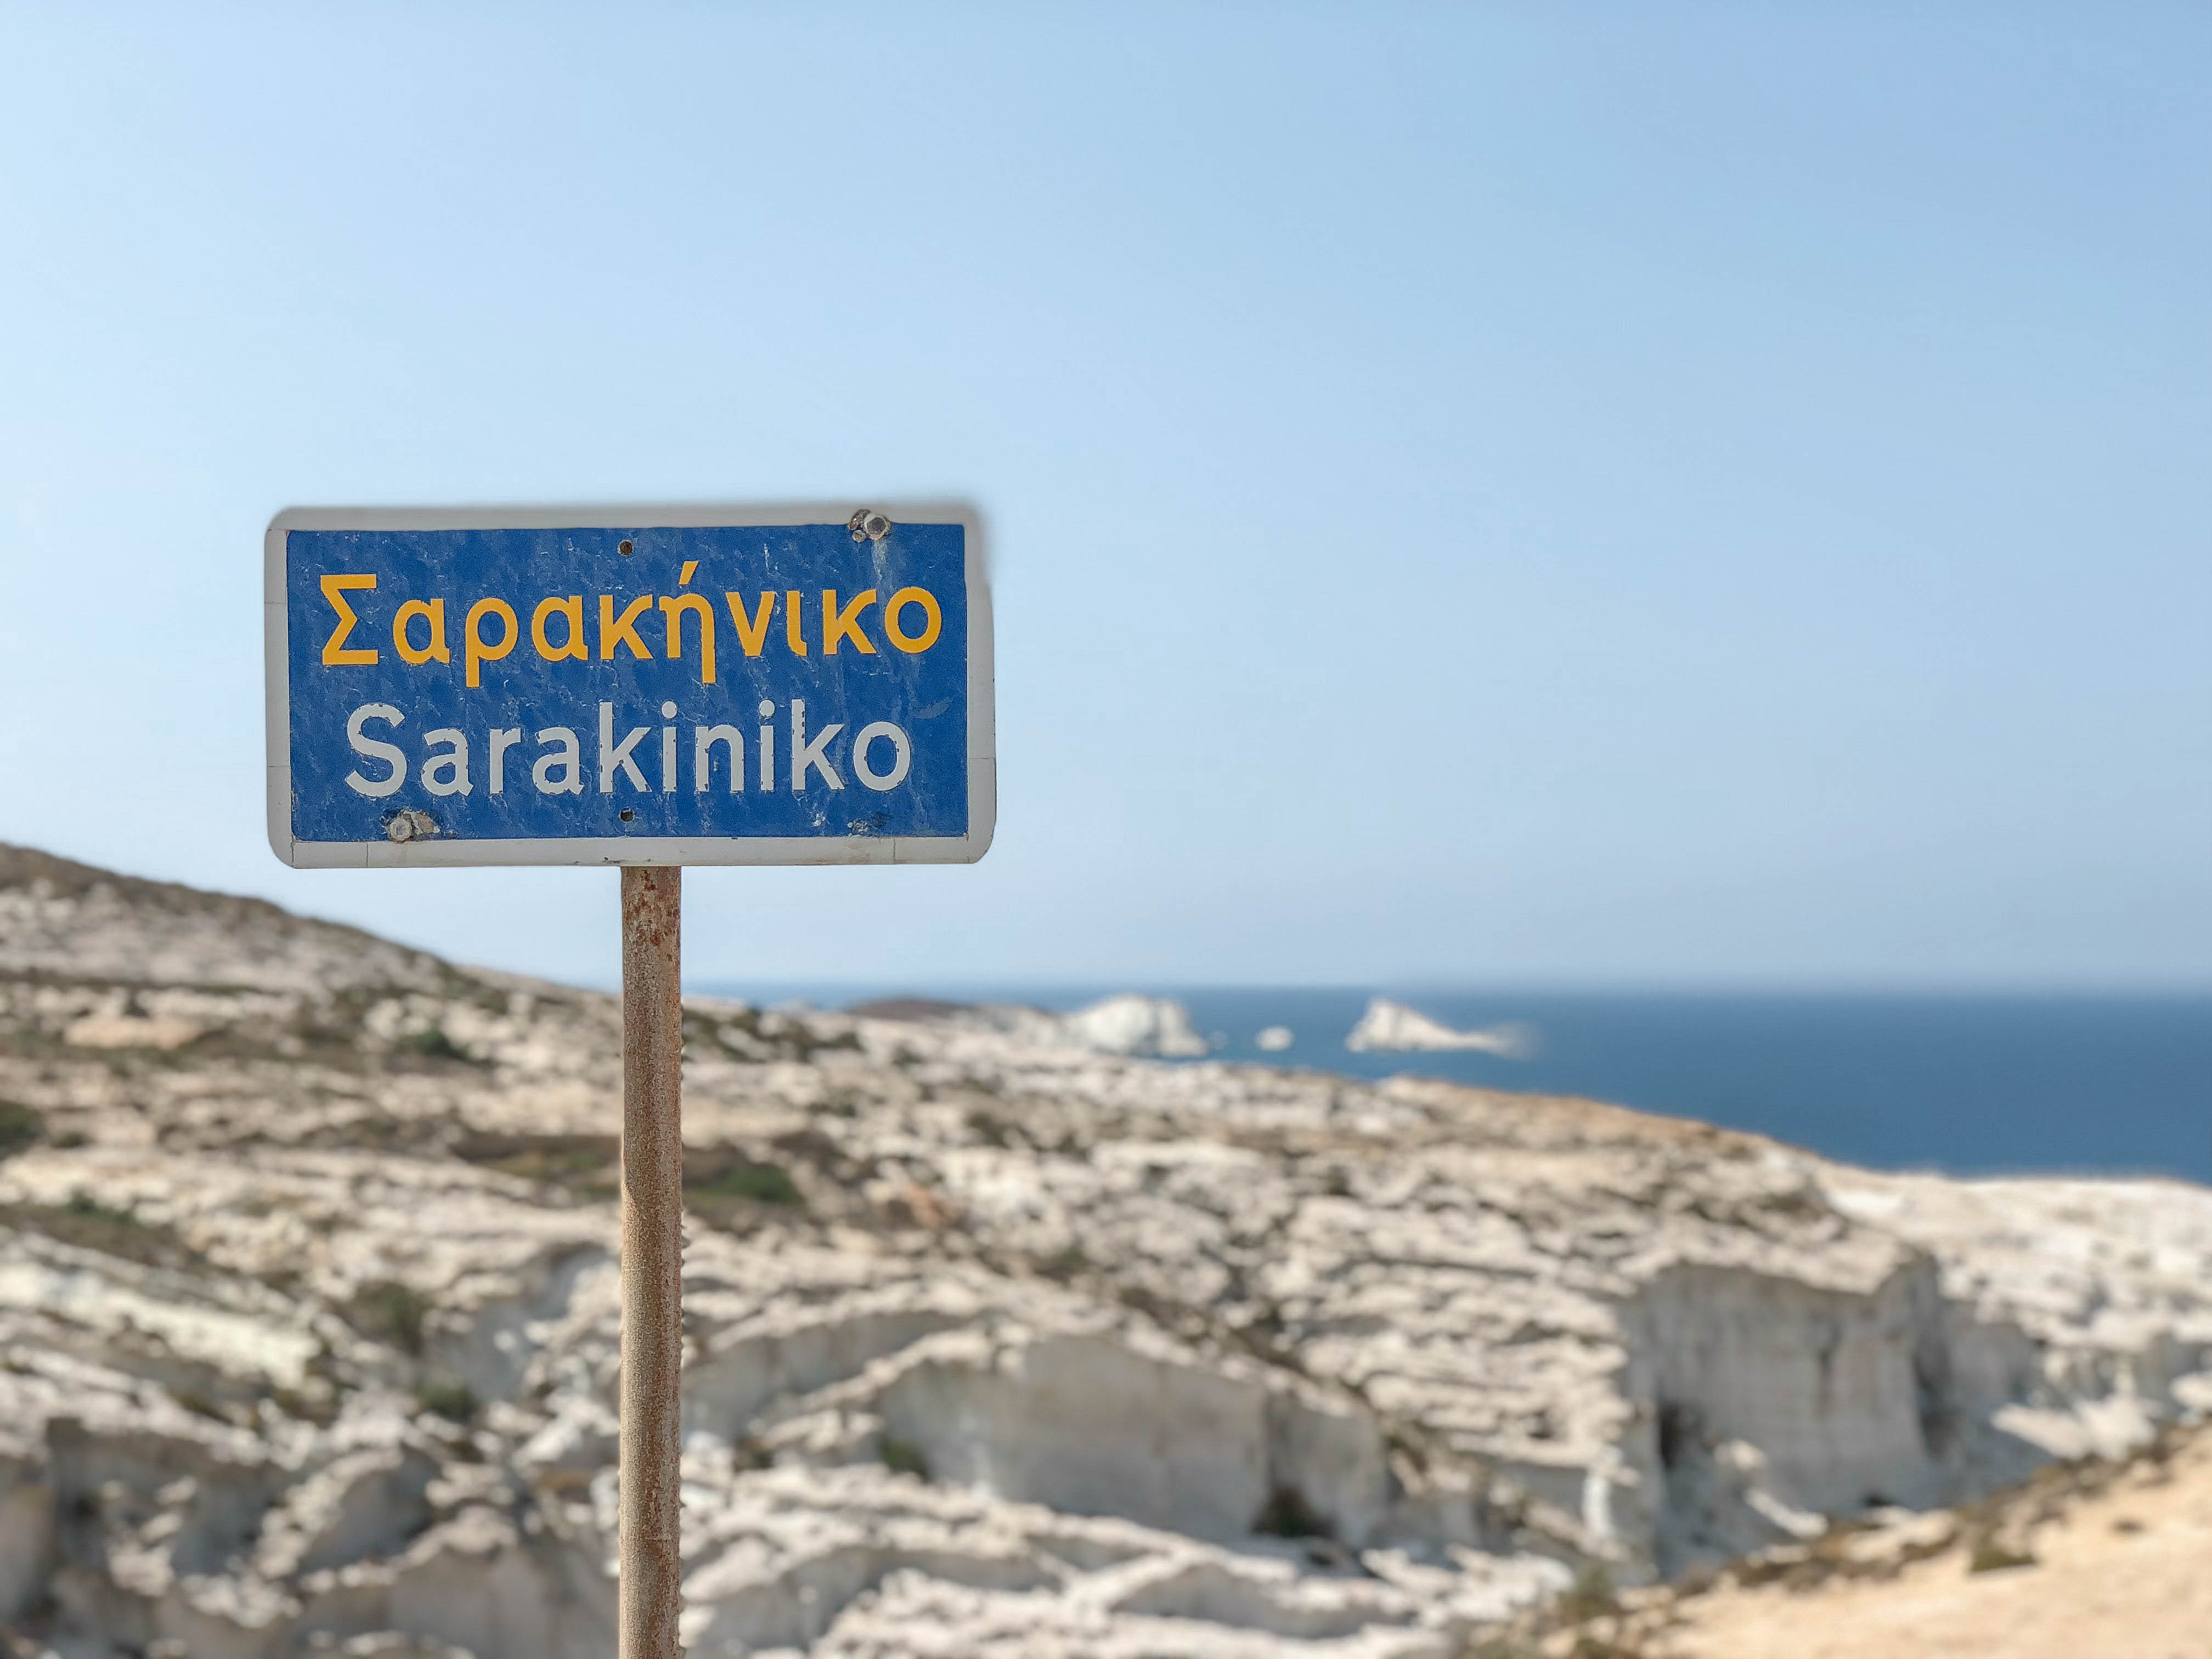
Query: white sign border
{"points": [[605, 850]]}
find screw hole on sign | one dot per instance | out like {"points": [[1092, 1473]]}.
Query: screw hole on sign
{"points": [[627, 815], [410, 824], [627, 550]]}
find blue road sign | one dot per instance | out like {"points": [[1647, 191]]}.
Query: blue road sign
{"points": [[790, 684]]}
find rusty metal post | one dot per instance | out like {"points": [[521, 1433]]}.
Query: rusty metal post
{"points": [[651, 1259]]}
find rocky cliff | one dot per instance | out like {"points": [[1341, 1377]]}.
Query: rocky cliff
{"points": [[308, 1320]]}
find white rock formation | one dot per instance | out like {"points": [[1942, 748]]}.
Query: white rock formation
{"points": [[308, 1324], [1127, 1024], [1274, 1039], [1387, 1024], [1133, 1025]]}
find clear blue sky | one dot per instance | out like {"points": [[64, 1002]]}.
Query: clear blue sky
{"points": [[1693, 494]]}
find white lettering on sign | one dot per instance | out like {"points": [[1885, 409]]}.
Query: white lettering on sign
{"points": [[502, 739], [615, 757], [568, 757], [559, 766], [389, 753], [704, 739], [446, 773], [901, 756], [812, 756]]}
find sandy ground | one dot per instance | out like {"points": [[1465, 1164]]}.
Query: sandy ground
{"points": [[2125, 1572]]}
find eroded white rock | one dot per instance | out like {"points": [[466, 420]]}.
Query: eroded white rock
{"points": [[1392, 1026], [310, 1324]]}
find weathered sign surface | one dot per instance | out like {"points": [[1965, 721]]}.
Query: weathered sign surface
{"points": [[788, 684]]}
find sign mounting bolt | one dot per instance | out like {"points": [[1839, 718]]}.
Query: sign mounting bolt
{"points": [[868, 526]]}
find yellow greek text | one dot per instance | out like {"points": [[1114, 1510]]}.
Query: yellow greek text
{"points": [[913, 643], [479, 650], [844, 624], [624, 631], [335, 588], [791, 636], [752, 631], [433, 612], [572, 608], [671, 613]]}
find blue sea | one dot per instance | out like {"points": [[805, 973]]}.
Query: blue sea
{"points": [[1966, 1084]]}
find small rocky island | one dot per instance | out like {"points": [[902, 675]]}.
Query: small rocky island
{"points": [[997, 1346], [1388, 1025]]}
